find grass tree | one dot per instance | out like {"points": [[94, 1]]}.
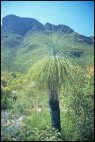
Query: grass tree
{"points": [[53, 70]]}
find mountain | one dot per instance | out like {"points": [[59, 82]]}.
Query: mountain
{"points": [[19, 25], [17, 35], [15, 27]]}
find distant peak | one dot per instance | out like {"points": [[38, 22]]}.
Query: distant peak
{"points": [[63, 28], [10, 15], [20, 25]]}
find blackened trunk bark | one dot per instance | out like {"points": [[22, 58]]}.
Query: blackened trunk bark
{"points": [[54, 108]]}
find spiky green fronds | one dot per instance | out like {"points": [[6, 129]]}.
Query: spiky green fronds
{"points": [[55, 67], [52, 70]]}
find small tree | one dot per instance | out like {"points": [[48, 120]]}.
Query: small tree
{"points": [[54, 70]]}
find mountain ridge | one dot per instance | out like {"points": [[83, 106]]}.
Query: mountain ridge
{"points": [[12, 20], [22, 25]]}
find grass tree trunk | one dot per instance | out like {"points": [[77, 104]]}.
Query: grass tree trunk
{"points": [[54, 107]]}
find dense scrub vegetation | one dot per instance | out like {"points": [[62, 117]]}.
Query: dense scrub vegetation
{"points": [[28, 117]]}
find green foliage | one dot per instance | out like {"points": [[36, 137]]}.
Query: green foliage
{"points": [[5, 98], [76, 105], [28, 129], [78, 112], [49, 134], [5, 94]]}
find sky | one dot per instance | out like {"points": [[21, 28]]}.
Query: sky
{"points": [[78, 15]]}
